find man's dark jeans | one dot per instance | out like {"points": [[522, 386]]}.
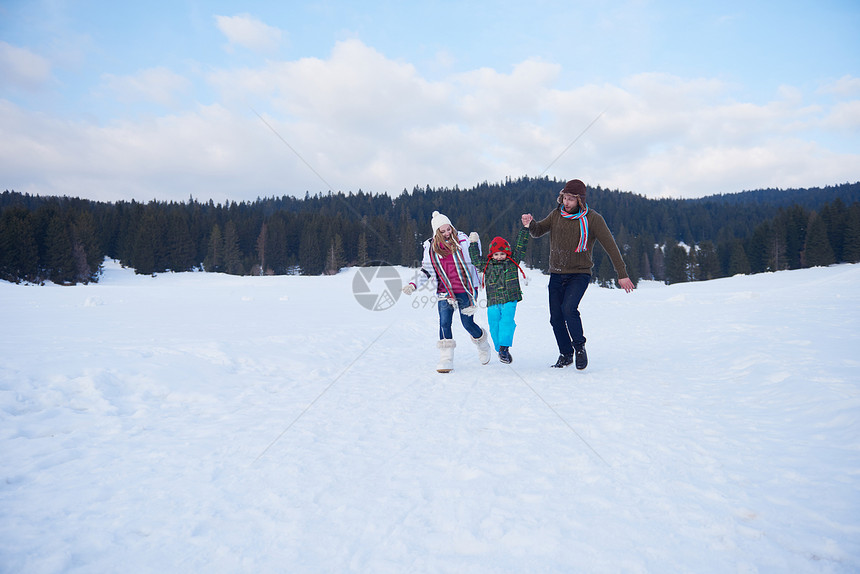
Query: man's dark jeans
{"points": [[565, 293]]}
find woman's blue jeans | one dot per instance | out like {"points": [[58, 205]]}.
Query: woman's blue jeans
{"points": [[565, 293], [446, 317]]}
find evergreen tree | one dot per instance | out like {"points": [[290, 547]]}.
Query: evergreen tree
{"points": [[261, 248], [777, 260], [199, 228], [86, 247], [311, 254], [146, 245], [658, 264], [676, 264], [604, 272], [835, 218], [709, 263], [694, 272], [83, 273], [851, 243], [180, 246], [794, 220], [757, 249], [19, 255], [232, 253], [362, 250], [383, 244], [410, 248], [817, 251], [276, 245], [643, 245], [738, 262], [646, 267], [631, 258], [335, 258], [214, 260], [59, 257]]}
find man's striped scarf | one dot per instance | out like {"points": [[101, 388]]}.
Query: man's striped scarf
{"points": [[583, 227], [462, 273]]}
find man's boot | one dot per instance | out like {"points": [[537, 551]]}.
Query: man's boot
{"points": [[581, 358]]}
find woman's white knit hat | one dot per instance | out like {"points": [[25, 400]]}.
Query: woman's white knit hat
{"points": [[438, 220]]}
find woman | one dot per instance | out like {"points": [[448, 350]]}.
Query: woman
{"points": [[447, 259]]}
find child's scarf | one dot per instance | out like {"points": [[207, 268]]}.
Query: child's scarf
{"points": [[583, 227], [462, 273]]}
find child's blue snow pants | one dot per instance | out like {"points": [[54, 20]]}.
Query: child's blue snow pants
{"points": [[502, 325]]}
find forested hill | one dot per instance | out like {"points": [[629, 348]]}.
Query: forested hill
{"points": [[65, 239], [810, 198]]}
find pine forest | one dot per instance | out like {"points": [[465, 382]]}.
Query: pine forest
{"points": [[65, 240]]}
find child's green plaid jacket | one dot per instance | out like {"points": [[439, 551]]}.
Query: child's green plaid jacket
{"points": [[500, 277]]}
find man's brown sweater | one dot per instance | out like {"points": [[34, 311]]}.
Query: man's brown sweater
{"points": [[564, 237]]}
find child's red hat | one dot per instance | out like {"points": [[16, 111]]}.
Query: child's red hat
{"points": [[500, 244]]}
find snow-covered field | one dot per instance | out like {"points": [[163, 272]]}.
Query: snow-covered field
{"points": [[208, 423]]}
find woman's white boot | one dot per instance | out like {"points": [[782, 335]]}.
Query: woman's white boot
{"points": [[483, 348], [446, 355]]}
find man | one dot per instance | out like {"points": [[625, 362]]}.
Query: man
{"points": [[573, 228]]}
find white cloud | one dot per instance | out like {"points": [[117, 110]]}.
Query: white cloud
{"points": [[845, 116], [363, 121], [22, 68], [846, 86], [207, 152], [248, 32], [158, 85]]}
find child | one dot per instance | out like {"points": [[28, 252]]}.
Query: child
{"points": [[447, 258], [503, 290]]}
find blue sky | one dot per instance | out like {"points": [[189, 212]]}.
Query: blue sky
{"points": [[239, 100]]}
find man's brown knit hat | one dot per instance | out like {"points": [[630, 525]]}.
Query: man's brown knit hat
{"points": [[574, 187]]}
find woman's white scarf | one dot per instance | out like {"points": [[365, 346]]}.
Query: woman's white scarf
{"points": [[462, 273]]}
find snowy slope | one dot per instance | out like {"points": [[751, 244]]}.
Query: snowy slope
{"points": [[207, 423]]}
